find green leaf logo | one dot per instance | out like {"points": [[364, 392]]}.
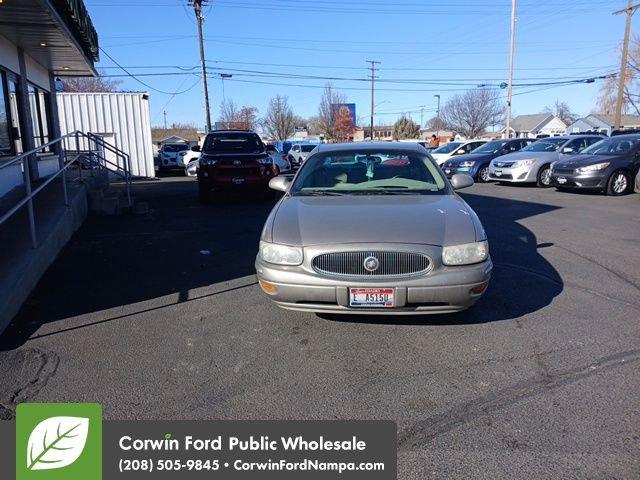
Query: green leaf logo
{"points": [[56, 442]]}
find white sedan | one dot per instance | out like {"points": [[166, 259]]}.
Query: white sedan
{"points": [[279, 159], [448, 150]]}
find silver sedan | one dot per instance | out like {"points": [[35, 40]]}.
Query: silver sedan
{"points": [[532, 164], [370, 228]]}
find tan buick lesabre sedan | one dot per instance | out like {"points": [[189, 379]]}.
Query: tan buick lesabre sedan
{"points": [[372, 228]]}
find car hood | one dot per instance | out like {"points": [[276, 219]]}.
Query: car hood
{"points": [[469, 157], [574, 161], [512, 157], [420, 219]]}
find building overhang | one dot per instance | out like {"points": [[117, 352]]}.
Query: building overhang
{"points": [[58, 34]]}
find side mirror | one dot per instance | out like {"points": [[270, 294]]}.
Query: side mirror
{"points": [[458, 181], [567, 150], [281, 183], [195, 148]]}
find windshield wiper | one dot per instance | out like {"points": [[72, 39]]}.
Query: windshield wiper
{"points": [[318, 193]]}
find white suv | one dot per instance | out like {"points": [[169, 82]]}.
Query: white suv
{"points": [[451, 149], [172, 156], [299, 152]]}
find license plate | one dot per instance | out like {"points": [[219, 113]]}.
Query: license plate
{"points": [[562, 180], [497, 173], [238, 180], [371, 297]]}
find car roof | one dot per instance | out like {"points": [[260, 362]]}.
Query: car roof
{"points": [[628, 136], [248, 132], [371, 146]]}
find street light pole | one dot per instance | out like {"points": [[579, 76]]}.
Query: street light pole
{"points": [[631, 8], [197, 7], [512, 48]]}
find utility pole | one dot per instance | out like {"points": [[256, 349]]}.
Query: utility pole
{"points": [[438, 117], [373, 90], [197, 7], [512, 49], [165, 119], [631, 8]]}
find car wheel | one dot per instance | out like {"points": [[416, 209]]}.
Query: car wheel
{"points": [[618, 183], [544, 177], [483, 174]]}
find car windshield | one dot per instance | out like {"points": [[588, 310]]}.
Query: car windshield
{"points": [[233, 143], [546, 145], [490, 147], [368, 173], [612, 146], [175, 148], [448, 148], [307, 148]]}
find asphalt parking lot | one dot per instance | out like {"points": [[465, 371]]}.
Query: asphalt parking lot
{"points": [[158, 316]]}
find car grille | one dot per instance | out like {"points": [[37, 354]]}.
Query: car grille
{"points": [[563, 171], [391, 264], [503, 164]]}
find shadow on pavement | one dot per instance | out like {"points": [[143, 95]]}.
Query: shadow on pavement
{"points": [[522, 282], [178, 246]]}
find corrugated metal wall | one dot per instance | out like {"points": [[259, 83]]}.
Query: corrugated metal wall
{"points": [[122, 118]]}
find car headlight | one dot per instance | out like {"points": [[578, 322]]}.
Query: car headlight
{"points": [[465, 254], [593, 168], [467, 163], [280, 254], [523, 163]]}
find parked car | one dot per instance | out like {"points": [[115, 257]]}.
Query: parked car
{"points": [[280, 159], [171, 156], [233, 160], [451, 149], [191, 170], [609, 165], [372, 228], [477, 163], [532, 164], [299, 151]]}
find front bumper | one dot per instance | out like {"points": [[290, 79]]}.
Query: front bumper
{"points": [[524, 174], [441, 290], [594, 180]]}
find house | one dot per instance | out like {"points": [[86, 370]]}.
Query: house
{"points": [[596, 122], [532, 126], [190, 136]]}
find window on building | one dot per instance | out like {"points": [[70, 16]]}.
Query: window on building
{"points": [[13, 113], [5, 139], [40, 114]]}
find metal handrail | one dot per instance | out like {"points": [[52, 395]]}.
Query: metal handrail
{"points": [[64, 166]]}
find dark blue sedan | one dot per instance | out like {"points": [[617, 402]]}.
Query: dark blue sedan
{"points": [[477, 162]]}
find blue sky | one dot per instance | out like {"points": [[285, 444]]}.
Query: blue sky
{"points": [[447, 45]]}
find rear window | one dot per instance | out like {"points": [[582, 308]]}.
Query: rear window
{"points": [[233, 143], [175, 148]]}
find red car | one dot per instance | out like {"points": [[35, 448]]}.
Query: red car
{"points": [[234, 160]]}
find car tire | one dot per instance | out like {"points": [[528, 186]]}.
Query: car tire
{"points": [[618, 183], [544, 177], [483, 174]]}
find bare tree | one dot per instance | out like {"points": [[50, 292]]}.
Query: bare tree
{"points": [[609, 88], [405, 129], [326, 118], [562, 111], [279, 122], [436, 123], [98, 84], [470, 113], [245, 118]]}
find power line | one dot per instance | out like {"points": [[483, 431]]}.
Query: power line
{"points": [[129, 74]]}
